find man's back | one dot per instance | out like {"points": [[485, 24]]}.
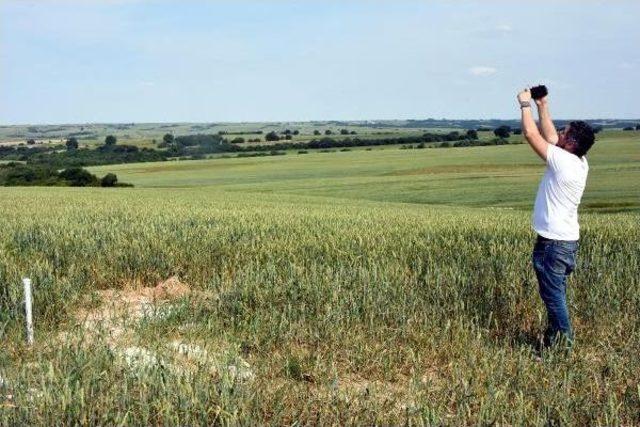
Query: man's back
{"points": [[555, 214]]}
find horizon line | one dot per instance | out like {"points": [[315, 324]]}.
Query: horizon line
{"points": [[298, 121]]}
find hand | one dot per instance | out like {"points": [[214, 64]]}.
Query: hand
{"points": [[541, 102], [524, 96]]}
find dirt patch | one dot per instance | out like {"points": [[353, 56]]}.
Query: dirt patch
{"points": [[116, 313], [172, 288], [118, 307]]}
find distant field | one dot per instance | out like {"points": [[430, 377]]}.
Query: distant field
{"points": [[90, 133], [382, 287], [505, 176]]}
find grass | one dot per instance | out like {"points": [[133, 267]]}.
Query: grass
{"points": [[483, 176], [352, 296]]}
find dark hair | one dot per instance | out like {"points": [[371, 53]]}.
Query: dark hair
{"points": [[582, 135]]}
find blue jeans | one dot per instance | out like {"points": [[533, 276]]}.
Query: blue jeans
{"points": [[553, 261]]}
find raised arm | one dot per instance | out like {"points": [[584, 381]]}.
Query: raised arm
{"points": [[529, 128], [546, 124]]}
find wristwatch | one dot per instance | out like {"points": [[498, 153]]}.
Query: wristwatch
{"points": [[525, 104]]}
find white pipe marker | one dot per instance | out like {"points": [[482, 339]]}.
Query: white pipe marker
{"points": [[28, 309]]}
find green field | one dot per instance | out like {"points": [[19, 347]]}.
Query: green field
{"points": [[481, 176], [362, 287]]}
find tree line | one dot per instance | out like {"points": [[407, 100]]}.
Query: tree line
{"points": [[199, 145], [20, 174]]}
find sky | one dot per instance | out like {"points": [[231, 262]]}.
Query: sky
{"points": [[65, 61]]}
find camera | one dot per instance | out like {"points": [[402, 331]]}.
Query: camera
{"points": [[539, 92]]}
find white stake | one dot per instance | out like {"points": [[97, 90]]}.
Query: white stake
{"points": [[27, 309]]}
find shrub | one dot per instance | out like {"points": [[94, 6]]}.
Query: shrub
{"points": [[502, 132], [272, 136], [72, 143], [78, 177], [109, 180]]}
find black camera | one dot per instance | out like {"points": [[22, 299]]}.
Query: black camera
{"points": [[539, 92]]}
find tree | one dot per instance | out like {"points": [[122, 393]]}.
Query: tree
{"points": [[168, 139], [237, 140], [328, 132], [272, 136], [110, 140], [288, 137], [31, 141], [628, 128], [316, 132], [638, 127], [296, 132], [502, 132], [472, 134], [72, 143], [287, 132], [78, 177], [344, 132], [109, 180]]}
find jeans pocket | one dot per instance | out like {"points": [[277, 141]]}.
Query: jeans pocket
{"points": [[559, 260]]}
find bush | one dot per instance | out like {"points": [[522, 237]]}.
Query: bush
{"points": [[110, 140], [72, 143], [109, 180], [78, 177], [502, 132], [168, 139], [272, 136]]}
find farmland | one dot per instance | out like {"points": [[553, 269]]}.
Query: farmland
{"points": [[359, 287]]}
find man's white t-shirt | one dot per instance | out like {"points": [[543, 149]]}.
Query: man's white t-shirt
{"points": [[555, 214]]}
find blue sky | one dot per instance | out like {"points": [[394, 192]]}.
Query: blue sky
{"points": [[155, 61]]}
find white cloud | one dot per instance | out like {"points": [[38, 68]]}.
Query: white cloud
{"points": [[506, 28], [482, 71]]}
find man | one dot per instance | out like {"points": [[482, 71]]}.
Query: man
{"points": [[555, 214]]}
